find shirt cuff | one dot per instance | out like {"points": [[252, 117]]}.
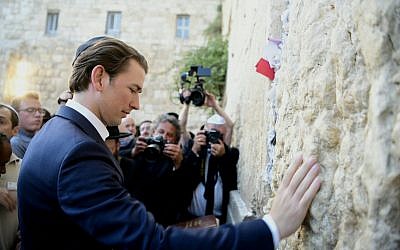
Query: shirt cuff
{"points": [[273, 228]]}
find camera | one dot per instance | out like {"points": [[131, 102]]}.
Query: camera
{"points": [[155, 147], [212, 136], [196, 93]]}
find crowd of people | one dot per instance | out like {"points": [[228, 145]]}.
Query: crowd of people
{"points": [[91, 179]]}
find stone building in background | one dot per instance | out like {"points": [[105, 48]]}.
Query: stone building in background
{"points": [[39, 38], [335, 95]]}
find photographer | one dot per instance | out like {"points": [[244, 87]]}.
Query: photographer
{"points": [[217, 174], [210, 101], [154, 175]]}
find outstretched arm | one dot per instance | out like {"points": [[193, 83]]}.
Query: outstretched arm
{"points": [[212, 102], [183, 118]]}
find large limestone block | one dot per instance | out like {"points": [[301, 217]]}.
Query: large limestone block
{"points": [[338, 97]]}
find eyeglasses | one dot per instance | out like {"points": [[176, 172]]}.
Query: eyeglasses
{"points": [[34, 110]]}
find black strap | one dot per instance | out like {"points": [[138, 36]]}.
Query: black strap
{"points": [[210, 185]]}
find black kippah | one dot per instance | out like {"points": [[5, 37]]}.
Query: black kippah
{"points": [[86, 45]]}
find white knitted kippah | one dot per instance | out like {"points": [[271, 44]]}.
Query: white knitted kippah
{"points": [[216, 119]]}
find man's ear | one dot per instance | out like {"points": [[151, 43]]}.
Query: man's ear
{"points": [[15, 130], [98, 77]]}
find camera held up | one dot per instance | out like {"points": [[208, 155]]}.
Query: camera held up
{"points": [[193, 94], [212, 136], [155, 147]]}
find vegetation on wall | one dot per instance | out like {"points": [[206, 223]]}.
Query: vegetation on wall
{"points": [[214, 55]]}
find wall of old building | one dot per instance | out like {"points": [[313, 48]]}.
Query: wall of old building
{"points": [[336, 95], [32, 60]]}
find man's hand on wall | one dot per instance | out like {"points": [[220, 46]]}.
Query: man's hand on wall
{"points": [[295, 194]]}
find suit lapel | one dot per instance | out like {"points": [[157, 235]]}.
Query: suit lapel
{"points": [[80, 121], [83, 123]]}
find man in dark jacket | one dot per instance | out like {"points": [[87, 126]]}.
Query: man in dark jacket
{"points": [[70, 188], [155, 175], [216, 175]]}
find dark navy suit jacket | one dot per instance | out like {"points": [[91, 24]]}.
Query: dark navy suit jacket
{"points": [[70, 196]]}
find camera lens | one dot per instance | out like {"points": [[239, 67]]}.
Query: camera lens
{"points": [[197, 97], [213, 136], [152, 152]]}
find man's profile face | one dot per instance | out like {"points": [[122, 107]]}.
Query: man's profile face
{"points": [[30, 121], [167, 131], [121, 93]]}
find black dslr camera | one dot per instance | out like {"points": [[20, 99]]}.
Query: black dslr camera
{"points": [[212, 136], [155, 147], [196, 94]]}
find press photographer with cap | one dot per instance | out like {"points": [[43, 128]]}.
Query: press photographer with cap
{"points": [[216, 175], [75, 199]]}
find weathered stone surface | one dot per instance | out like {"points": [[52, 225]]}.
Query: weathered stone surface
{"points": [[338, 97]]}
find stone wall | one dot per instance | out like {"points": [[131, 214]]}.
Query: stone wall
{"points": [[32, 60], [336, 95]]}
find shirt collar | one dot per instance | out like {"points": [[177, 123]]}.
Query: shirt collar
{"points": [[23, 132], [13, 159], [92, 118]]}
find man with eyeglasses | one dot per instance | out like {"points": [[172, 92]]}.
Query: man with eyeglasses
{"points": [[30, 120]]}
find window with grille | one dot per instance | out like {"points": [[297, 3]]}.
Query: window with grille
{"points": [[182, 26], [113, 24], [52, 22]]}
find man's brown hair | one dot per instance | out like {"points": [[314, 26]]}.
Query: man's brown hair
{"points": [[111, 53], [16, 102]]}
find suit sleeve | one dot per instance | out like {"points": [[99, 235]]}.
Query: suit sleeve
{"points": [[91, 194]]}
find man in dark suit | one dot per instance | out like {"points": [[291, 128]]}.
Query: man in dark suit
{"points": [[70, 192]]}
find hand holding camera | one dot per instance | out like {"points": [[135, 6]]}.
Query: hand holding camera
{"points": [[196, 93], [211, 139], [215, 143], [210, 100], [174, 152], [139, 146], [199, 141], [217, 149], [154, 147]]}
